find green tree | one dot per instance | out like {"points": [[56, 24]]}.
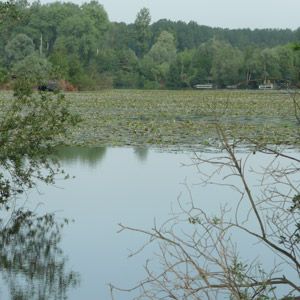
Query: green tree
{"points": [[203, 58], [142, 31], [78, 35], [19, 47], [34, 67], [44, 20], [288, 63], [185, 60], [9, 13], [174, 80], [227, 66], [164, 49], [201, 66], [264, 64], [148, 70], [25, 61], [61, 62], [200, 76], [127, 73], [107, 60], [97, 14], [162, 54], [119, 36], [30, 126], [82, 34]]}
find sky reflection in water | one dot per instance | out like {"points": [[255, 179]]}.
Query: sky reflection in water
{"points": [[120, 185]]}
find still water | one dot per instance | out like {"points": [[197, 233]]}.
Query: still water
{"points": [[111, 186]]}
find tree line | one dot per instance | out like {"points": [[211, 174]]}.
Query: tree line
{"points": [[80, 46]]}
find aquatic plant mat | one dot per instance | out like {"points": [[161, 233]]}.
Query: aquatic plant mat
{"points": [[180, 119]]}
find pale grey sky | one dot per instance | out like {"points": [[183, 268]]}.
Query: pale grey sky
{"points": [[216, 13]]}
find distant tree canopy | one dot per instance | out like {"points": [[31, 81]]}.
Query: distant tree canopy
{"points": [[142, 31], [83, 47]]}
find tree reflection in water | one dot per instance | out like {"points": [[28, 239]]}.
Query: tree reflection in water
{"points": [[90, 155], [141, 153], [32, 264]]}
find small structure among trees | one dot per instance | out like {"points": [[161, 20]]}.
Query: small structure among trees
{"points": [[50, 86]]}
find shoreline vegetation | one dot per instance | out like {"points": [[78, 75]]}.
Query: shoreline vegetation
{"points": [[79, 48], [180, 120]]}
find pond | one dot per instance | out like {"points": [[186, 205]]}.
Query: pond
{"points": [[132, 186]]}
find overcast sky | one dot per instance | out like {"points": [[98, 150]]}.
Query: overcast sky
{"points": [[216, 13]]}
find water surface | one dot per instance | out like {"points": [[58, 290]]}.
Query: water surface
{"points": [[119, 185]]}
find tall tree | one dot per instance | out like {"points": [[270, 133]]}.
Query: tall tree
{"points": [[82, 33], [264, 64], [201, 65], [142, 31], [163, 53], [164, 49], [44, 21], [227, 65], [288, 62], [174, 80]]}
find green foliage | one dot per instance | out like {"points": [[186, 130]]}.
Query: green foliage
{"points": [[295, 46], [107, 60], [296, 203], [127, 60], [81, 33], [96, 13], [69, 67], [62, 62], [34, 67], [64, 31], [264, 63], [164, 49], [162, 54], [9, 13], [142, 31], [3, 74], [29, 128], [78, 35], [174, 77], [194, 220], [242, 282], [200, 76], [203, 57], [227, 65], [126, 79], [20, 47], [147, 68], [119, 36], [44, 21]]}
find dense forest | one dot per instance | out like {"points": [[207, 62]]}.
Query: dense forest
{"points": [[81, 49]]}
